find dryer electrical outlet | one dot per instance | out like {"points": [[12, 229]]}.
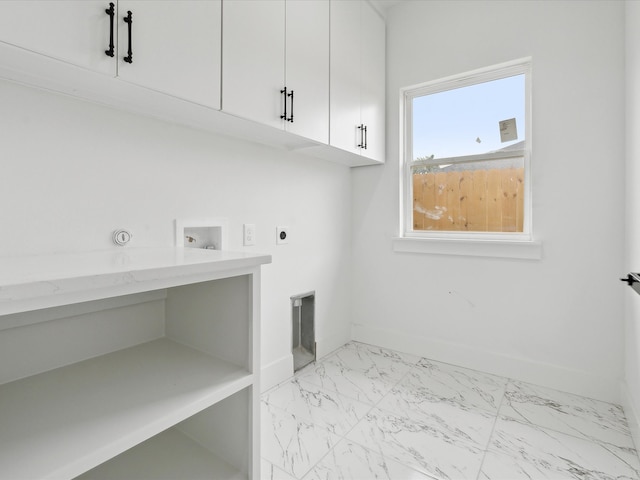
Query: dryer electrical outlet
{"points": [[282, 235]]}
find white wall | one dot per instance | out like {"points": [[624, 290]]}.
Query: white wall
{"points": [[72, 172], [632, 219], [556, 321]]}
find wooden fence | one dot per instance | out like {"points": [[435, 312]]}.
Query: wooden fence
{"points": [[470, 200]]}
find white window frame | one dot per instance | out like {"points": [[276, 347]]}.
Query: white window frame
{"points": [[501, 244]]}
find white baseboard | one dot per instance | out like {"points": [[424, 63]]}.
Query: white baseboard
{"points": [[276, 372], [282, 369], [573, 381], [630, 412], [327, 345]]}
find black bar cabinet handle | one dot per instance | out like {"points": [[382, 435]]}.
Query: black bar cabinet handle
{"points": [[630, 280], [129, 20], [284, 91], [291, 117], [111, 12], [364, 128], [361, 128]]}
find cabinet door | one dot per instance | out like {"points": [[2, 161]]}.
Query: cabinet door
{"points": [[175, 47], [373, 82], [307, 67], [345, 75], [72, 31], [253, 60]]}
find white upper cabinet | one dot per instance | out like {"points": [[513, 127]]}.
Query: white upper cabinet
{"points": [[345, 76], [273, 45], [253, 60], [175, 46], [297, 74], [372, 85], [307, 68], [357, 122], [72, 31]]}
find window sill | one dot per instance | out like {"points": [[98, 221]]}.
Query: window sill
{"points": [[528, 250]]}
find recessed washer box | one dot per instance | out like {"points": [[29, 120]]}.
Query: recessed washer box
{"points": [[210, 233]]}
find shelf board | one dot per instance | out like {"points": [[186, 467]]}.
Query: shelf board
{"points": [[167, 456], [64, 422]]}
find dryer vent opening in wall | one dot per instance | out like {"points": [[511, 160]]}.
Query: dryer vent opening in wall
{"points": [[303, 329]]}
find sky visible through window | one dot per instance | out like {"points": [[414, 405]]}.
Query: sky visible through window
{"points": [[465, 121]]}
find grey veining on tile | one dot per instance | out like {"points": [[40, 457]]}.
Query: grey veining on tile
{"points": [[437, 448], [290, 443], [355, 384], [519, 450], [350, 461], [359, 373], [270, 472], [567, 413], [374, 362], [367, 349], [439, 382], [365, 413], [323, 407], [450, 421]]}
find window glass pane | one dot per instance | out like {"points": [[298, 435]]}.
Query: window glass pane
{"points": [[483, 196], [467, 120]]}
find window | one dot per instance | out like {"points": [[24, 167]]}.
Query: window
{"points": [[466, 156]]}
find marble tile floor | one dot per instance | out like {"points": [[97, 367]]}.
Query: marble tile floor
{"points": [[365, 413]]}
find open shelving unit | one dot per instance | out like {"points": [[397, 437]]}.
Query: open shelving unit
{"points": [[155, 376]]}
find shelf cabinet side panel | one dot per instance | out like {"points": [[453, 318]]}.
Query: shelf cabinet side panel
{"points": [[213, 317], [224, 429]]}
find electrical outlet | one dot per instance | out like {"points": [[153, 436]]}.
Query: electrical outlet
{"points": [[249, 230], [282, 235]]}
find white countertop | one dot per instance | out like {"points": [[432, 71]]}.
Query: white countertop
{"points": [[42, 281]]}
